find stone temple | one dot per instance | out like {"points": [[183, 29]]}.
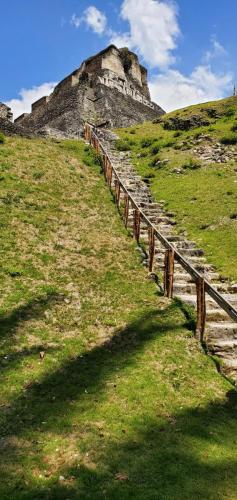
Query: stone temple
{"points": [[109, 90]]}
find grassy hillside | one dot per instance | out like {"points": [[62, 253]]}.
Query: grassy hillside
{"points": [[104, 392], [171, 156]]}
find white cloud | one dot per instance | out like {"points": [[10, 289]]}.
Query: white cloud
{"points": [[93, 18], [153, 30], [217, 51], [173, 90], [28, 96], [76, 21]]}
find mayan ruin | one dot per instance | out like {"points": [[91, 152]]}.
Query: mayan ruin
{"points": [[108, 90]]}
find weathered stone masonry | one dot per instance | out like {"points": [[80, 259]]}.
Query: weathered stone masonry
{"points": [[108, 90], [5, 112]]}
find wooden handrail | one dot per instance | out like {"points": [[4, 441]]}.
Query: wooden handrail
{"points": [[91, 136]]}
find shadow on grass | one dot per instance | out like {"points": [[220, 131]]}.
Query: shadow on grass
{"points": [[189, 313], [33, 309], [88, 372], [160, 462], [173, 461]]}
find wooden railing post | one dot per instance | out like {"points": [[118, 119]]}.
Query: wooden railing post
{"points": [[136, 224], [103, 162], [126, 210], [201, 308], [151, 239], [110, 175], [169, 273], [106, 168], [117, 192]]}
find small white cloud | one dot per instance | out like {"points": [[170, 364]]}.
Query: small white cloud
{"points": [[28, 96], [153, 30], [93, 18], [76, 21], [173, 90], [217, 51]]}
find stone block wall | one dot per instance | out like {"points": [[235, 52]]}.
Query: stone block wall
{"points": [[41, 102], [5, 112]]}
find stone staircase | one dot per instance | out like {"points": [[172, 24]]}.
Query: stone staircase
{"points": [[221, 331]]}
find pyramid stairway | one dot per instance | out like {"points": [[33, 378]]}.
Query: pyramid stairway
{"points": [[220, 330]]}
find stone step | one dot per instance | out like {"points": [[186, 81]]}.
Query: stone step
{"points": [[182, 244], [229, 368], [181, 276], [193, 261], [191, 299], [224, 348], [220, 330], [192, 252], [189, 288], [218, 314]]}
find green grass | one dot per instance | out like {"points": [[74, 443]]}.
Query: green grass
{"points": [[203, 197], [105, 394], [2, 138]]}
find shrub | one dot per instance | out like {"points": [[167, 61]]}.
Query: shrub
{"points": [[229, 139], [97, 159], [167, 143], [192, 164], [229, 112], [234, 127], [2, 138], [145, 143], [123, 145], [155, 150], [91, 158]]}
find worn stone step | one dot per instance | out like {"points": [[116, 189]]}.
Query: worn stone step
{"points": [[224, 348], [184, 288], [188, 286], [191, 252], [218, 314], [182, 244], [220, 330], [229, 368]]}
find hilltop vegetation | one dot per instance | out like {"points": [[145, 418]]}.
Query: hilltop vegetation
{"points": [[104, 391], [189, 158]]}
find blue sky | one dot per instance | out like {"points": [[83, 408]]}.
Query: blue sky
{"points": [[188, 46]]}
